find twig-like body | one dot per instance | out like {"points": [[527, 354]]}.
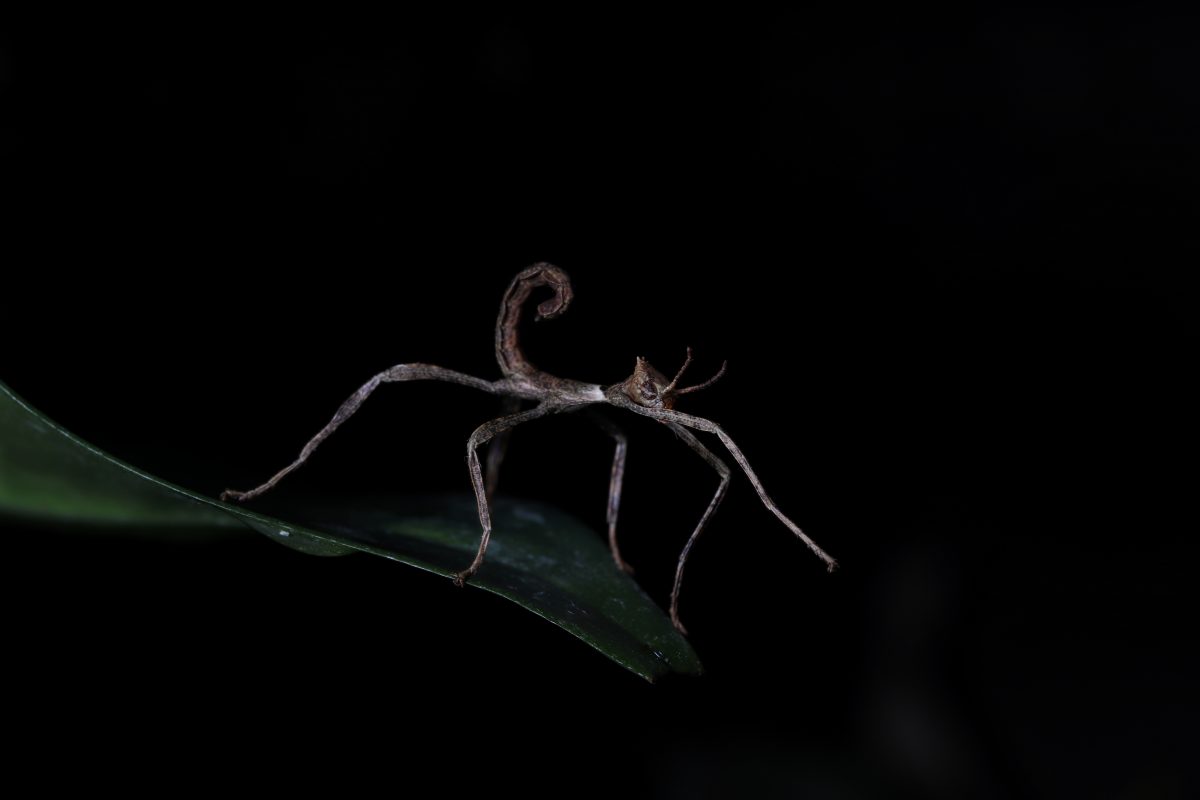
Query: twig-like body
{"points": [[646, 392]]}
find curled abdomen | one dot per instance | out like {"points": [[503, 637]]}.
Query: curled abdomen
{"points": [[508, 349]]}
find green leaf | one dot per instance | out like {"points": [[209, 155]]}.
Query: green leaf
{"points": [[539, 558]]}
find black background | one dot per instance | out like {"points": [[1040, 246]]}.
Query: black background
{"points": [[948, 260]]}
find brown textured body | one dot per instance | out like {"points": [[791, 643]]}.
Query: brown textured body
{"points": [[646, 392]]}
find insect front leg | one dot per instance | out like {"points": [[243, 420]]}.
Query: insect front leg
{"points": [[699, 423], [723, 470]]}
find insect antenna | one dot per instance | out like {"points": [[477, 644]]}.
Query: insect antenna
{"points": [[687, 362], [707, 383]]}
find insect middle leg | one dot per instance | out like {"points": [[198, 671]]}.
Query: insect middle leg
{"points": [[483, 434], [400, 372], [723, 470], [614, 485]]}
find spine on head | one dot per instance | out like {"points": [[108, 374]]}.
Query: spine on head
{"points": [[508, 349]]}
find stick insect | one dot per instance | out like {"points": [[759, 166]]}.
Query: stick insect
{"points": [[647, 392]]}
